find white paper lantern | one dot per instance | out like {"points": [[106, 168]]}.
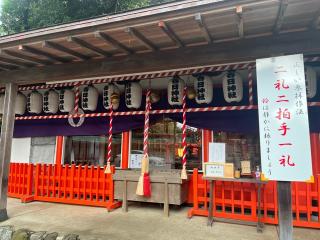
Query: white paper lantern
{"points": [[175, 91], [66, 100], [89, 97], [311, 81], [108, 90], [21, 104], [133, 95], [204, 89], [34, 102], [50, 102], [232, 87]]}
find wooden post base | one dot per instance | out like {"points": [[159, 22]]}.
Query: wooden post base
{"points": [[3, 215], [114, 205], [27, 199], [285, 210]]}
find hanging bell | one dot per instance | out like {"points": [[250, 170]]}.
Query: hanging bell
{"points": [[154, 97], [115, 99], [191, 93]]}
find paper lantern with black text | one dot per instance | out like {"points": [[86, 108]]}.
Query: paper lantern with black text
{"points": [[175, 91], [204, 89], [66, 100], [21, 104], [111, 95], [311, 81], [51, 102], [133, 95], [232, 87], [34, 102], [90, 96]]}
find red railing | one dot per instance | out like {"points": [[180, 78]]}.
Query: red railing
{"points": [[20, 183], [239, 201], [81, 185]]}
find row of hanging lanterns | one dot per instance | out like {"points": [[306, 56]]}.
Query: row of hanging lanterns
{"points": [[202, 91], [52, 101]]}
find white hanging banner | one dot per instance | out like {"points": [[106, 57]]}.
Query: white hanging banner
{"points": [[283, 119]]}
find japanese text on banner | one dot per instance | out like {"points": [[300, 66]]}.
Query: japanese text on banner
{"points": [[283, 119]]}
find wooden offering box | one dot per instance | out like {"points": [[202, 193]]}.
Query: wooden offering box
{"points": [[166, 183]]}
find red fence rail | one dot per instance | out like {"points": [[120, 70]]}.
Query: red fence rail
{"points": [[81, 185], [20, 180], [239, 201]]}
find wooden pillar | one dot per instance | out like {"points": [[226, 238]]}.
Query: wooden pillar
{"points": [[125, 150], [285, 210], [59, 150], [206, 139], [5, 144]]}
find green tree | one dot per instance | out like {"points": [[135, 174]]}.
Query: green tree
{"points": [[23, 15]]}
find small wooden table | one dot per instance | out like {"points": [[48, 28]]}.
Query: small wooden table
{"points": [[259, 224]]}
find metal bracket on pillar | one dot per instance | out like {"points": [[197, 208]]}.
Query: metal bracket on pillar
{"points": [[5, 145], [285, 210]]}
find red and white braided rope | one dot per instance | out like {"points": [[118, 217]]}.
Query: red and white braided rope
{"points": [[250, 79], [314, 104], [146, 124], [109, 148], [184, 127], [162, 111], [76, 98]]}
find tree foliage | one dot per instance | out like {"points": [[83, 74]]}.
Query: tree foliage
{"points": [[23, 15]]}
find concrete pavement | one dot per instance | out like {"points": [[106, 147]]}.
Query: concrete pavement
{"points": [[141, 222]]}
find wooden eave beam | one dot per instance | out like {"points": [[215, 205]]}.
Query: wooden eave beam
{"points": [[25, 57], [280, 16], [6, 67], [89, 46], [113, 42], [203, 27], [239, 12], [15, 62], [315, 21], [177, 10], [42, 53], [136, 34], [170, 33], [246, 49], [64, 49]]}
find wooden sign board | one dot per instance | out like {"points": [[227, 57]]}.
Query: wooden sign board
{"points": [[223, 170]]}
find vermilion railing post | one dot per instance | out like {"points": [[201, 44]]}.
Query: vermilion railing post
{"points": [[318, 196], [36, 182], [97, 183], [65, 182], [111, 186], [29, 178], [72, 181], [275, 196], [29, 181], [195, 188], [111, 203]]}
